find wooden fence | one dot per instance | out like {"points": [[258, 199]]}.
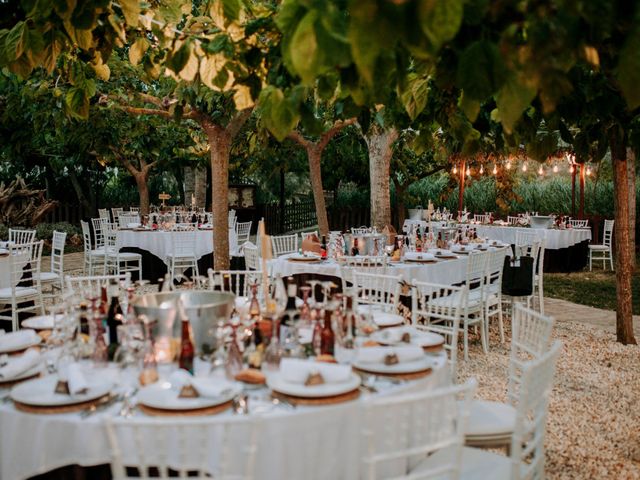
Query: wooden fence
{"points": [[297, 215]]}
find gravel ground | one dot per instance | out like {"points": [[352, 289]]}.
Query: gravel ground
{"points": [[593, 429]]}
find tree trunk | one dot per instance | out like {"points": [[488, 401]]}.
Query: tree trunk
{"points": [[400, 206], [461, 186], [379, 144], [631, 176], [200, 186], [314, 154], [141, 179], [84, 202], [189, 184], [583, 170], [624, 315], [220, 145]]}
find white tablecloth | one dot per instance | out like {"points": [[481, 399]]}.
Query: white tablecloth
{"points": [[444, 271], [159, 243], [308, 442], [5, 271], [554, 239]]}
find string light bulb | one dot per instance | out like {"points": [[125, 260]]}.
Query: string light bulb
{"points": [[495, 169], [571, 169], [455, 169], [481, 169], [524, 167], [468, 171], [555, 169], [540, 170], [588, 170], [508, 165]]}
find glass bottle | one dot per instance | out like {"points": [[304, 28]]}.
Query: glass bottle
{"points": [[233, 363], [327, 338], [273, 353], [187, 351], [100, 355]]}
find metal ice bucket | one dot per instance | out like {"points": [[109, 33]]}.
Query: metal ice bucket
{"points": [[204, 310], [368, 243]]}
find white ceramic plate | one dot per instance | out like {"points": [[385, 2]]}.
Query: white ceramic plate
{"points": [[403, 367], [161, 395], [296, 257], [41, 322], [40, 392], [26, 374], [418, 337], [276, 383], [22, 346], [384, 319]]}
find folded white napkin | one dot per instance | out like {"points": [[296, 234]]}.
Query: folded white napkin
{"points": [[295, 370], [206, 225], [19, 338], [378, 354], [72, 374], [133, 225], [205, 387], [20, 364], [310, 254], [419, 256], [242, 305]]}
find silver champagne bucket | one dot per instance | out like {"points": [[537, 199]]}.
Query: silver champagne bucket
{"points": [[204, 310], [368, 243]]}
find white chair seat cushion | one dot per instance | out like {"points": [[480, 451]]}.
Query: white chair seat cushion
{"points": [[487, 419], [476, 464], [474, 300], [49, 277], [182, 255], [126, 256], [98, 252], [20, 292], [602, 248]]}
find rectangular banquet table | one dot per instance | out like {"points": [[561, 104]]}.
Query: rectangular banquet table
{"points": [[555, 239], [317, 442]]}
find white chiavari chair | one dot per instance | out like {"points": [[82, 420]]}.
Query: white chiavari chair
{"points": [[603, 250], [527, 454], [243, 230], [104, 213], [473, 308], [284, 244], [512, 220], [100, 226], [232, 219], [400, 430], [438, 308], [304, 235], [377, 295], [579, 223], [93, 257], [134, 210], [360, 230], [128, 220], [55, 277], [361, 263], [20, 236], [239, 283], [215, 447], [183, 256], [87, 286], [538, 284], [251, 256], [481, 218], [117, 261], [492, 423], [525, 238], [115, 213], [529, 248], [493, 290], [25, 291]]}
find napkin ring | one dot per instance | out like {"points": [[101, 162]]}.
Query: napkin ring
{"points": [[314, 378], [188, 391]]}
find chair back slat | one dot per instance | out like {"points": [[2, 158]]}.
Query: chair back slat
{"points": [[284, 244]]}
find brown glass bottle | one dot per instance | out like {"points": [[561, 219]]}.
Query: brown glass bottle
{"points": [[187, 351], [327, 338]]}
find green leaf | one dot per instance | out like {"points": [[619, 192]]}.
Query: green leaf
{"points": [[471, 108], [180, 57], [440, 19], [363, 37], [512, 99], [136, 51], [414, 98], [77, 103], [15, 41], [84, 38], [481, 70], [304, 48], [231, 9], [278, 114], [64, 8], [54, 42], [131, 11], [628, 70]]}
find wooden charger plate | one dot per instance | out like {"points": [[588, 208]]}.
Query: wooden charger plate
{"points": [[415, 260], [161, 412], [11, 383], [399, 376], [305, 260], [76, 407], [343, 397]]}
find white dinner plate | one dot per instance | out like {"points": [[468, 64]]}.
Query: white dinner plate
{"points": [[22, 346], [41, 322], [296, 257], [4, 251], [161, 395], [418, 337], [276, 383], [26, 374], [40, 392], [384, 319], [402, 367]]}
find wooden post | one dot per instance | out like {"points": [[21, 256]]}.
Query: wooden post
{"points": [[573, 191], [583, 169], [461, 187]]}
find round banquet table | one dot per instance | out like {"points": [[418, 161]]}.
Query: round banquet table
{"points": [[156, 245], [443, 271], [311, 442], [565, 250]]}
